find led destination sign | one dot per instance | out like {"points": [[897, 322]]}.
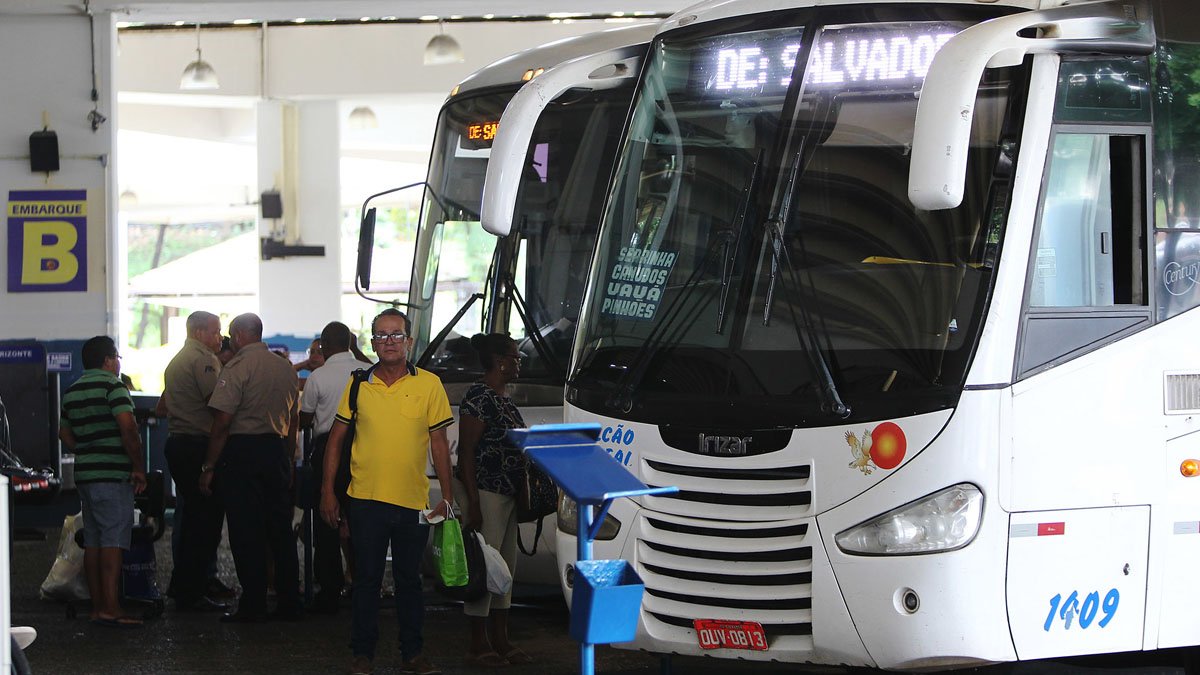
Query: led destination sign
{"points": [[884, 56], [484, 132]]}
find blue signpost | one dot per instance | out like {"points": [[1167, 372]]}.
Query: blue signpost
{"points": [[607, 594]]}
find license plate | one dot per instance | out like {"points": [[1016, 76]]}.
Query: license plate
{"points": [[719, 634]]}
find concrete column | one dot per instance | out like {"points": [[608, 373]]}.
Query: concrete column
{"points": [[298, 155]]}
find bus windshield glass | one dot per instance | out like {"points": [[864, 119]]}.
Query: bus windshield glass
{"points": [[454, 252], [533, 281], [759, 264]]}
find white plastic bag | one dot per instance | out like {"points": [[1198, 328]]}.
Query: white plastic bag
{"points": [[499, 579], [67, 580]]}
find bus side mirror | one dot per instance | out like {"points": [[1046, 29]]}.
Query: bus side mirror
{"points": [[946, 109], [506, 164], [366, 244]]}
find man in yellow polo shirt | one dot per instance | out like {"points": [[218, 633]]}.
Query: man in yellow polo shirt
{"points": [[400, 411]]}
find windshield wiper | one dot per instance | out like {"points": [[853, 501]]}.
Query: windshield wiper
{"points": [[535, 335], [437, 340], [733, 235], [774, 228], [806, 330]]}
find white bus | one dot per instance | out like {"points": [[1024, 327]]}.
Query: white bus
{"points": [[529, 284], [898, 295]]}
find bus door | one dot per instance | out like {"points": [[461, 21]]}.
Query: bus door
{"points": [[1079, 534]]}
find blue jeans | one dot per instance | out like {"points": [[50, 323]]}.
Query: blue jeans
{"points": [[374, 525]]}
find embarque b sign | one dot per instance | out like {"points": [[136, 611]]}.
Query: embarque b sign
{"points": [[47, 240]]}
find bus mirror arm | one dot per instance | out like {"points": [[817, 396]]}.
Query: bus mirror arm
{"points": [[603, 70], [366, 241], [946, 109]]}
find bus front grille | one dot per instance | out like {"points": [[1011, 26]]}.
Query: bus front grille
{"points": [[730, 490], [729, 570]]}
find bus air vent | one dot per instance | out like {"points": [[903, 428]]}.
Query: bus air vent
{"points": [[1181, 393]]}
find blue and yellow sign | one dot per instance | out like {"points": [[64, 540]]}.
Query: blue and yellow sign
{"points": [[47, 240]]}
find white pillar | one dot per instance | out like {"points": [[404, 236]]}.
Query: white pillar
{"points": [[298, 154]]}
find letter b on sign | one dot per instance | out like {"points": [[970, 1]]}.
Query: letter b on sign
{"points": [[48, 253]]}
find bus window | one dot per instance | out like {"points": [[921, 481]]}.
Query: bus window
{"points": [[1177, 163], [1088, 249], [1087, 274]]}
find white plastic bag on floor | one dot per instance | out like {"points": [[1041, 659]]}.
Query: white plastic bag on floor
{"points": [[499, 579], [67, 580]]}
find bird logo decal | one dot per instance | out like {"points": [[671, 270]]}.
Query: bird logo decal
{"points": [[860, 451], [880, 448]]}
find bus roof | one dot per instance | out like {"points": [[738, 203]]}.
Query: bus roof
{"points": [[511, 69], [710, 10]]}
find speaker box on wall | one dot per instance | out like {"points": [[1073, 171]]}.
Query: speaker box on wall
{"points": [[43, 151], [272, 204]]}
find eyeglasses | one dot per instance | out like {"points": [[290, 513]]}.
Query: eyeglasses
{"points": [[384, 337], [515, 357]]}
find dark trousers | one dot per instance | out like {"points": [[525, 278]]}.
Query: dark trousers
{"points": [[200, 518], [374, 525], [327, 545], [253, 479]]}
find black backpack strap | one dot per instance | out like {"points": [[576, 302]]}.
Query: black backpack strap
{"points": [[356, 379], [536, 536]]}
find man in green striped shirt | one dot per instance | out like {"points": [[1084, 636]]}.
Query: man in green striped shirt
{"points": [[98, 426]]}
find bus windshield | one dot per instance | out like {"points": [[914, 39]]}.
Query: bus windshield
{"points": [[533, 280], [453, 251], [759, 264]]}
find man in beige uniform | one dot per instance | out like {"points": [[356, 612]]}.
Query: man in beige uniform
{"points": [[249, 461], [189, 381]]}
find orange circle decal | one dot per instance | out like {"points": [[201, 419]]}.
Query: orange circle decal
{"points": [[888, 445]]}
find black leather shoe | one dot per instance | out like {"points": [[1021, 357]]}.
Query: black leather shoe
{"points": [[202, 605], [286, 615], [243, 617]]}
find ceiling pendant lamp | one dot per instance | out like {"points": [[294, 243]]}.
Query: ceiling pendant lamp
{"points": [[442, 49], [362, 117], [199, 74]]}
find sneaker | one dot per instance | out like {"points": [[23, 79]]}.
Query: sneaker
{"points": [[361, 665], [420, 666]]}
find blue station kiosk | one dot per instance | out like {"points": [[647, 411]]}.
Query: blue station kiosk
{"points": [[607, 595]]}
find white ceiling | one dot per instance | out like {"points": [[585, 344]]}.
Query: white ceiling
{"points": [[166, 11]]}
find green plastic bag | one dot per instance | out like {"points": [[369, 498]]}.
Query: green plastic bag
{"points": [[449, 554]]}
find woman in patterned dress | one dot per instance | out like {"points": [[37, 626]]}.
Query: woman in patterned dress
{"points": [[492, 472]]}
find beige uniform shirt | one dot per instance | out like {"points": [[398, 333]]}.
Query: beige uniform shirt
{"points": [[189, 380], [260, 390]]}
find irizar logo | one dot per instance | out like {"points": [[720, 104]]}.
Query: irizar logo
{"points": [[725, 446]]}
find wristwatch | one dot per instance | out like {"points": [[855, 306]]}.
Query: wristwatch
{"points": [[205, 468]]}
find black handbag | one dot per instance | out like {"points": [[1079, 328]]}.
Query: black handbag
{"points": [[476, 586], [537, 498]]}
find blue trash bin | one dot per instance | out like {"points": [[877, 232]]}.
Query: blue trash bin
{"points": [[605, 602]]}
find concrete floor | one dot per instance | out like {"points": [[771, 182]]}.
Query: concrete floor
{"points": [[198, 643]]}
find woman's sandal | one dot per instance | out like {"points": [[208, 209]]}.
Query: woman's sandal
{"points": [[517, 657], [486, 660], [118, 622]]}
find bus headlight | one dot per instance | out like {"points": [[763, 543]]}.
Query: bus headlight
{"points": [[568, 520], [943, 521]]}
